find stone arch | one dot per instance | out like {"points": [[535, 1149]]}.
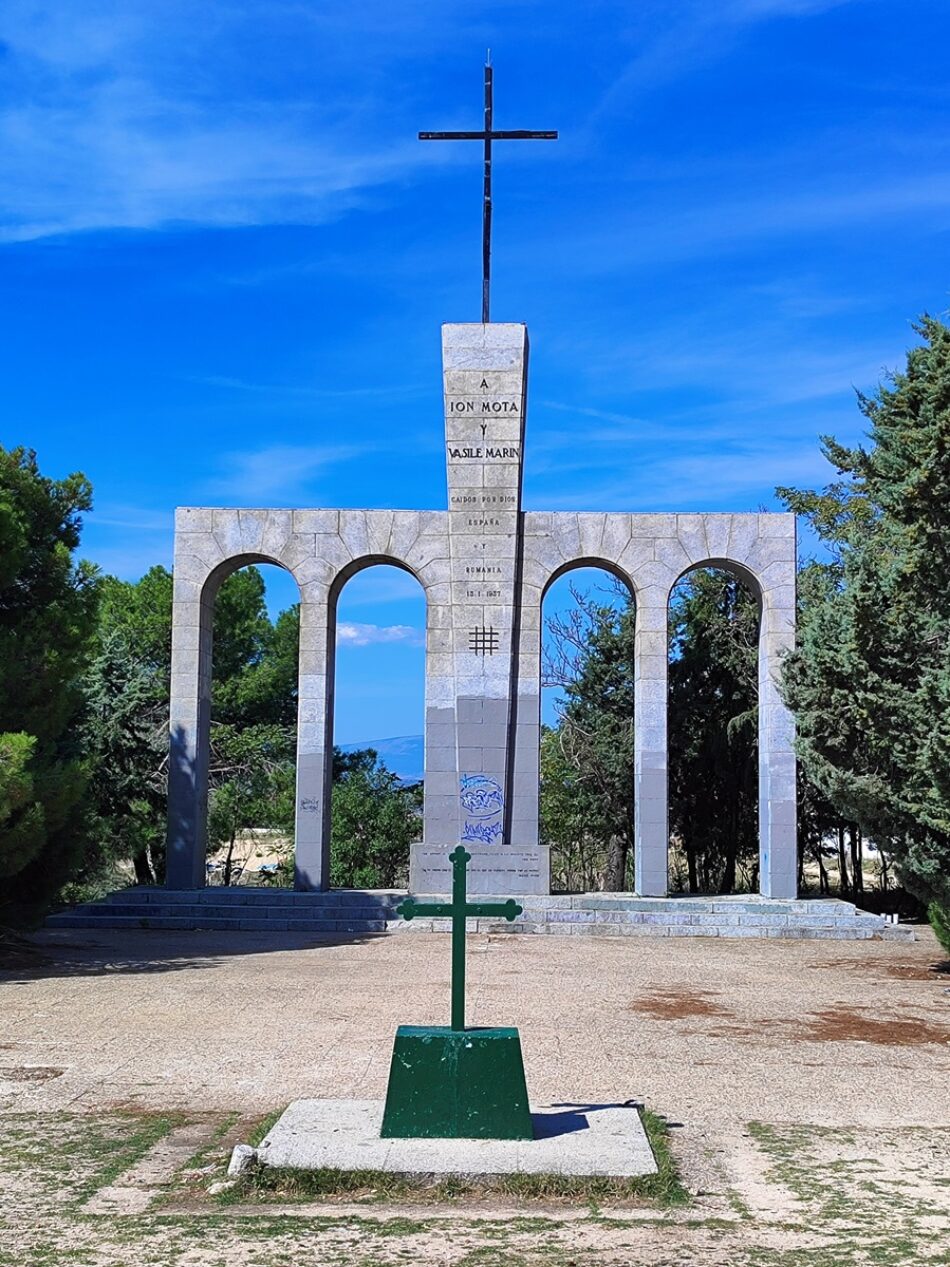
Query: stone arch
{"points": [[590, 561], [361, 563], [197, 580], [341, 578], [773, 587], [615, 570], [742, 572]]}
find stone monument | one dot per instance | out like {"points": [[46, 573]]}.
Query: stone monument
{"points": [[484, 564]]}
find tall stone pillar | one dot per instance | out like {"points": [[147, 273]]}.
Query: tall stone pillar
{"points": [[651, 830], [189, 729], [778, 812], [314, 748], [471, 709]]}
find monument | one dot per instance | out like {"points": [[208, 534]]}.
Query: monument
{"points": [[484, 564]]}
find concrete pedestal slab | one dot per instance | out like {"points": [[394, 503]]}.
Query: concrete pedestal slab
{"points": [[570, 1139]]}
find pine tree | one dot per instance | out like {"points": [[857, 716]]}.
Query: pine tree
{"points": [[47, 615], [587, 763], [713, 722], [870, 681]]}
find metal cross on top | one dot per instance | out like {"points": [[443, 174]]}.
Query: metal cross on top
{"points": [[487, 135], [459, 910]]}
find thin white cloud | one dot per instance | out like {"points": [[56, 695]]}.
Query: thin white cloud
{"points": [[277, 475], [741, 477], [125, 541], [129, 559], [352, 634], [136, 518], [675, 38], [110, 120]]}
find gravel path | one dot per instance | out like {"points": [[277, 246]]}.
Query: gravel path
{"points": [[711, 1033], [806, 1084]]}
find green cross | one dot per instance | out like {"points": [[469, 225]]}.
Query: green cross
{"points": [[459, 910]]}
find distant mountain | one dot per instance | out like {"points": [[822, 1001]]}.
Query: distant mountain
{"points": [[403, 755]]}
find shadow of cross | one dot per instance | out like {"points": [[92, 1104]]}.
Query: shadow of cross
{"points": [[458, 910]]}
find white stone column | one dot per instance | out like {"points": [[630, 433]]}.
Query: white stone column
{"points": [[471, 711], [314, 747], [778, 847], [651, 818], [189, 730]]}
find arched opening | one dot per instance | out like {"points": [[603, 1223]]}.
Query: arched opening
{"points": [[253, 727], [587, 730], [378, 715], [714, 622]]}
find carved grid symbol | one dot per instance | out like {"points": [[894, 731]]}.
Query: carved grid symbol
{"points": [[483, 640]]}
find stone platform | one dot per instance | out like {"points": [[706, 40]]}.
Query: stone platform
{"points": [[359, 912], [570, 1139]]}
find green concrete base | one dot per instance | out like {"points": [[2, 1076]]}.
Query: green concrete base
{"points": [[456, 1084]]}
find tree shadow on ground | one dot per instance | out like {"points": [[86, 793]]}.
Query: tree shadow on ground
{"points": [[109, 952]]}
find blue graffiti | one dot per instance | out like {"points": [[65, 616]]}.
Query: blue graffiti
{"points": [[480, 795], [482, 833]]}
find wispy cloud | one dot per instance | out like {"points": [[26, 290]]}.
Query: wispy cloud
{"points": [[674, 38], [143, 120], [350, 634], [742, 476], [277, 475]]}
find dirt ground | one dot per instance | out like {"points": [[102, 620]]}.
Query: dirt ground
{"points": [[805, 1086]]}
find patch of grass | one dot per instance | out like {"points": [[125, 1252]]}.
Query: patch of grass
{"points": [[272, 1183], [67, 1157], [117, 1155], [256, 1136]]}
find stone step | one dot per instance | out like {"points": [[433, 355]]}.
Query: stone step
{"points": [[358, 912], [69, 919], [246, 896], [232, 911]]}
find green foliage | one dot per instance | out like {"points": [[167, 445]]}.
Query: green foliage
{"points": [[261, 690], [939, 917], [22, 822], [125, 739], [141, 613], [375, 819], [252, 785], [253, 739], [47, 616], [125, 729], [713, 721], [870, 681]]}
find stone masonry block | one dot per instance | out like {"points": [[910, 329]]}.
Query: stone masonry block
{"points": [[691, 533], [316, 521], [653, 525], [194, 519], [717, 535], [773, 524]]}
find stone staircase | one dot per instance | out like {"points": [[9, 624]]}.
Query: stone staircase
{"points": [[344, 913]]}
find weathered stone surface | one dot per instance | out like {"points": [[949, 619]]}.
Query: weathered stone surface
{"points": [[345, 1135], [243, 1158]]}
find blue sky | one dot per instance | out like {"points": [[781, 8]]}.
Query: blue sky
{"points": [[224, 257]]}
